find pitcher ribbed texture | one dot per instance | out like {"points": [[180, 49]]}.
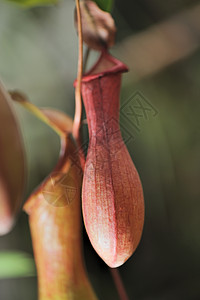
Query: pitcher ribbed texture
{"points": [[55, 223], [112, 196]]}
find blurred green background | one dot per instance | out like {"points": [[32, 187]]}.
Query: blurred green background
{"points": [[38, 54]]}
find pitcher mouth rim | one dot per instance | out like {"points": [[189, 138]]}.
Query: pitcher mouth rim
{"points": [[118, 67]]}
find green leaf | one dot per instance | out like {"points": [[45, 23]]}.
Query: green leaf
{"points": [[16, 264], [105, 4], [32, 3]]}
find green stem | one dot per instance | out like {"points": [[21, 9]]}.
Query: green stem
{"points": [[20, 98]]}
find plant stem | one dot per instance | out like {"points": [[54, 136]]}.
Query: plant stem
{"points": [[37, 112], [119, 284], [78, 101], [78, 108]]}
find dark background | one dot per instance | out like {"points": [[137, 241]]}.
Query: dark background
{"points": [[38, 54]]}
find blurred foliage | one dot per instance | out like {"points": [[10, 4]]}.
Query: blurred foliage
{"points": [[16, 264], [105, 4], [32, 3], [39, 55]]}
